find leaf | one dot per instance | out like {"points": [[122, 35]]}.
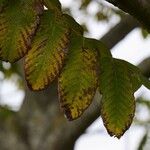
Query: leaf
{"points": [[18, 22], [45, 59], [145, 81], [118, 104], [52, 4], [1, 4], [102, 50], [72, 24], [78, 80], [134, 75]]}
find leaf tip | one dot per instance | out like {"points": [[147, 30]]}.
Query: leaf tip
{"points": [[67, 114]]}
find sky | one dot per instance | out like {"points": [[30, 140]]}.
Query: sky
{"points": [[133, 49]]}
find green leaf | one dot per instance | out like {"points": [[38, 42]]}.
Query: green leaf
{"points": [[72, 24], [1, 4], [45, 59], [102, 50], [134, 74], [78, 80], [145, 81], [18, 22], [53, 5], [118, 104]]}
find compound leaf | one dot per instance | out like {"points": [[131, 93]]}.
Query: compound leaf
{"points": [[118, 104], [78, 80], [18, 22], [45, 59]]}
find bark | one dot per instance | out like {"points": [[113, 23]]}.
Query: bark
{"points": [[137, 8], [119, 31], [40, 124], [145, 67]]}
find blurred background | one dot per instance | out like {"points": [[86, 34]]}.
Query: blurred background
{"points": [[33, 121]]}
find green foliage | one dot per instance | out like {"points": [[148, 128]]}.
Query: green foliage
{"points": [[118, 82], [118, 105], [44, 61], [18, 22], [70, 23], [135, 75], [52, 4], [54, 46], [78, 80]]}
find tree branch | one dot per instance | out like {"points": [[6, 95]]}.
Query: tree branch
{"points": [[119, 31], [145, 67], [140, 9]]}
